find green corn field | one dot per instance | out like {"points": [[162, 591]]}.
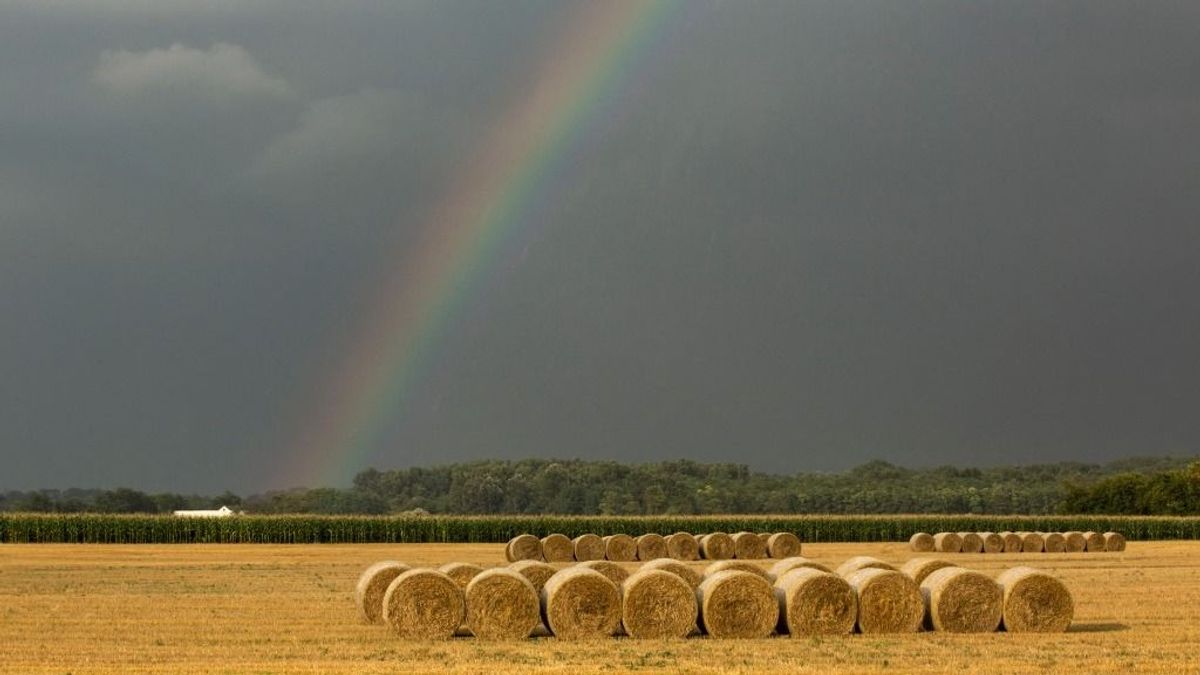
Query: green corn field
{"points": [[308, 529]]}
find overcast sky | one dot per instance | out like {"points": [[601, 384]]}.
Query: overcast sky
{"points": [[815, 234]]}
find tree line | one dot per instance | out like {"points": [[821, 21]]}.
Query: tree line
{"points": [[1140, 486]]}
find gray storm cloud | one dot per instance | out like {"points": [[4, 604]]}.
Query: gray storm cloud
{"points": [[797, 235]]}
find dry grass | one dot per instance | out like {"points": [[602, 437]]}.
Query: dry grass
{"points": [[96, 609]]}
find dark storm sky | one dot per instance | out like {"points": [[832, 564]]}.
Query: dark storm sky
{"points": [[816, 234]]}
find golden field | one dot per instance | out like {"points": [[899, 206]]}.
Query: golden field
{"points": [[214, 608]]}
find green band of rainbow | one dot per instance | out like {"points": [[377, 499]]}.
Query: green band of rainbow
{"points": [[588, 65]]}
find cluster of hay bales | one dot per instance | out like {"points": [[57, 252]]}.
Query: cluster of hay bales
{"points": [[680, 546], [666, 598], [1017, 542]]}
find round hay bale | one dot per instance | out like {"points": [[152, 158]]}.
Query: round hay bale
{"points": [[766, 540], [1094, 542], [656, 605], [1054, 542], [921, 542], [959, 600], [502, 605], [462, 573], [651, 547], [372, 584], [423, 605], [588, 547], [971, 542], [812, 602], [579, 603], [685, 572], [1012, 542], [736, 604], [608, 568], [992, 542], [888, 601], [557, 548], [742, 565], [861, 562], [536, 571], [783, 545], [1035, 602], [620, 547], [1076, 542], [716, 546], [918, 569], [523, 547], [786, 565], [682, 546], [748, 546], [1114, 541], [1032, 542], [947, 542]]}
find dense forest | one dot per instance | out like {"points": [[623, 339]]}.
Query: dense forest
{"points": [[1142, 486]]}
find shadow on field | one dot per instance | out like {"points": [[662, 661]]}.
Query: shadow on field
{"points": [[1097, 627]]}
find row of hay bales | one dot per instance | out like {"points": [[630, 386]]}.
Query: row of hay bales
{"points": [[666, 598], [678, 546], [1017, 542]]}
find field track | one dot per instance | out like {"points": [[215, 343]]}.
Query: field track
{"points": [[288, 609]]}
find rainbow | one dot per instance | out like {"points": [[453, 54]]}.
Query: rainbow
{"points": [[590, 63]]}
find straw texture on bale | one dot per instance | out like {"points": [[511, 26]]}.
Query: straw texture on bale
{"points": [[523, 547], [748, 546], [992, 542], [921, 542], [1032, 542], [971, 542], [557, 548], [608, 568], [812, 602], [651, 547], [1114, 541], [502, 605], [580, 603], [919, 568], [741, 565], [786, 565], [1035, 602], [536, 571], [735, 604], [860, 562], [620, 547], [947, 542], [372, 584], [1012, 542], [783, 545], [685, 572], [888, 601], [588, 547], [656, 604], [1094, 542], [716, 546], [1054, 542], [766, 540], [959, 600], [462, 573], [1076, 542], [682, 546], [424, 605]]}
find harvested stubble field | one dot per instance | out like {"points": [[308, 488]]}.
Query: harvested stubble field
{"points": [[280, 608]]}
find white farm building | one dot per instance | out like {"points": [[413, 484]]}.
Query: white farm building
{"points": [[223, 512]]}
